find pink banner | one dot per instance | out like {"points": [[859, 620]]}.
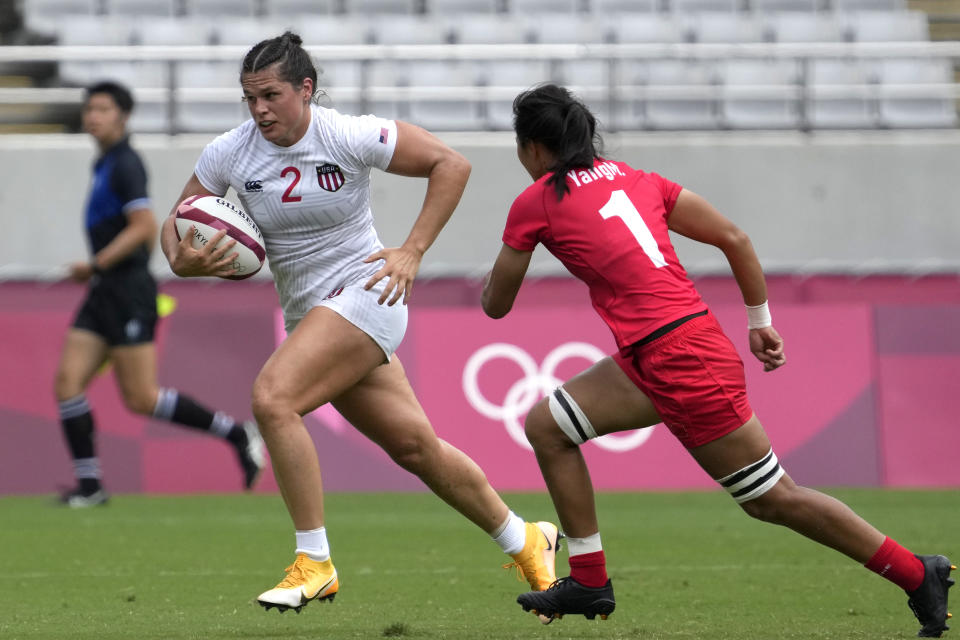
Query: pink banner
{"points": [[868, 397], [478, 377]]}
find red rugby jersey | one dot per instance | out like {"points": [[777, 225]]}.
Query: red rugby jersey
{"points": [[611, 232]]}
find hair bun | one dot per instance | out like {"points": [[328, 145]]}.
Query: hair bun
{"points": [[292, 38]]}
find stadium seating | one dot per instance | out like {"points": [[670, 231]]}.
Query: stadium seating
{"points": [[172, 31], [53, 8], [376, 7], [445, 113], [404, 29], [916, 112], [689, 6], [727, 27], [288, 8], [142, 8], [696, 110], [461, 7], [515, 77], [246, 32], [605, 7], [826, 109], [881, 26], [680, 94], [768, 112], [808, 6], [220, 8], [489, 29], [869, 5], [564, 28], [649, 28], [805, 27], [544, 7]]}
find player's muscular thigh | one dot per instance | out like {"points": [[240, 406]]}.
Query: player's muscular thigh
{"points": [[610, 399]]}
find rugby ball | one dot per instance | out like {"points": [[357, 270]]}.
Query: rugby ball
{"points": [[210, 214]]}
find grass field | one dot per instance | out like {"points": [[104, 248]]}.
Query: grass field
{"points": [[684, 565]]}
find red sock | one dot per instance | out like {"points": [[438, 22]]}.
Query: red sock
{"points": [[897, 565], [589, 569]]}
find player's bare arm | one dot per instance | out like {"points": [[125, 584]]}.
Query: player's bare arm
{"points": [[141, 229], [502, 284], [697, 219], [185, 261], [420, 154]]}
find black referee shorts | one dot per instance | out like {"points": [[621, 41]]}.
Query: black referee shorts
{"points": [[121, 307]]}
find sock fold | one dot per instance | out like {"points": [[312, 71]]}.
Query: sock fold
{"points": [[589, 569]]}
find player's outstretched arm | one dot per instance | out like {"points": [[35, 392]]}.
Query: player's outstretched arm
{"points": [[185, 261], [420, 154], [502, 284], [697, 219]]}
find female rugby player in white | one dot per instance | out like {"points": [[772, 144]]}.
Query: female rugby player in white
{"points": [[302, 172]]}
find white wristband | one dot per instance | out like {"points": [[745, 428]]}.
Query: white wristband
{"points": [[758, 317]]}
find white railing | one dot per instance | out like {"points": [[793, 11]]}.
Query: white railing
{"points": [[610, 92]]}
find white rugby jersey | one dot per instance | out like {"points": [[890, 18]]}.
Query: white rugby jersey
{"points": [[311, 200]]}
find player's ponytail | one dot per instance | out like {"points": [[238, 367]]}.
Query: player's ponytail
{"points": [[555, 118], [287, 52]]}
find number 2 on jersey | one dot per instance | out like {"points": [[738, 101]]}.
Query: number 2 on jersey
{"points": [[296, 178], [620, 206]]}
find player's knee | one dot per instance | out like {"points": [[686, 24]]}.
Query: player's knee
{"points": [[774, 506], [411, 454], [267, 403], [65, 385], [540, 427], [263, 407], [140, 401], [762, 509]]}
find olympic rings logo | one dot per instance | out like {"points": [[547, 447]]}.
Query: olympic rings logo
{"points": [[535, 384]]}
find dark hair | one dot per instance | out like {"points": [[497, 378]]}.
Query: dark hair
{"points": [[286, 51], [120, 94], [558, 120]]}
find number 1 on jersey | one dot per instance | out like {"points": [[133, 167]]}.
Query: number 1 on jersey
{"points": [[620, 206]]}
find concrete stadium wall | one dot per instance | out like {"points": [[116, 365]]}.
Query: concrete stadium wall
{"points": [[844, 202]]}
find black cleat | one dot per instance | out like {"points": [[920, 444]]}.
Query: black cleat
{"points": [[251, 455], [79, 499], [566, 595], [929, 601]]}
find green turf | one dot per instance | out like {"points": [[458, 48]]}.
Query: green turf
{"points": [[685, 565]]}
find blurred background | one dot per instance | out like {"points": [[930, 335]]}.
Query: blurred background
{"points": [[827, 129]]}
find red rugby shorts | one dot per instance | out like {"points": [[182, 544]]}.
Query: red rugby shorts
{"points": [[694, 377]]}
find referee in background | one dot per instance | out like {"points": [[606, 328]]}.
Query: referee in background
{"points": [[117, 319]]}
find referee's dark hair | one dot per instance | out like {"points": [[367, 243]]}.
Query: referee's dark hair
{"points": [[120, 94], [558, 120]]}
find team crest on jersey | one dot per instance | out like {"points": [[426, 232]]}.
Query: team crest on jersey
{"points": [[330, 177]]}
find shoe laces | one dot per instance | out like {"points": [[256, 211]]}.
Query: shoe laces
{"points": [[531, 566], [558, 583], [297, 573], [520, 575]]}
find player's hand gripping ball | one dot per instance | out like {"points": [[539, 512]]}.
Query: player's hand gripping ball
{"points": [[210, 214]]}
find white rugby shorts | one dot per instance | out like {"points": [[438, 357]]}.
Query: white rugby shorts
{"points": [[385, 324]]}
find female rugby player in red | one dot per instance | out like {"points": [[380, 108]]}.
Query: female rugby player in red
{"points": [[608, 224]]}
